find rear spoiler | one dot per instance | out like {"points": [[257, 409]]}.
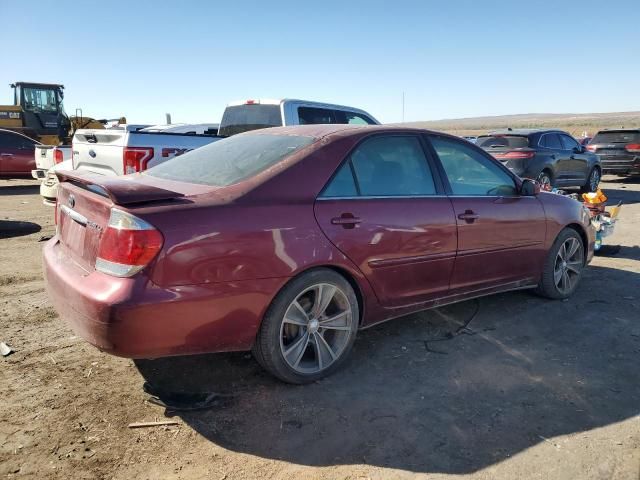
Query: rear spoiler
{"points": [[121, 190]]}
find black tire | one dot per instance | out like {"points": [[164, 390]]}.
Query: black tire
{"points": [[548, 286], [545, 178], [593, 180], [269, 349]]}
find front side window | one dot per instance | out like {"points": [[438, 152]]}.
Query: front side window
{"points": [[353, 118], [470, 172], [389, 166]]}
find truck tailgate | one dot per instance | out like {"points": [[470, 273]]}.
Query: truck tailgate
{"points": [[99, 151]]}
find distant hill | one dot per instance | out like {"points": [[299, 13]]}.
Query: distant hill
{"points": [[574, 123]]}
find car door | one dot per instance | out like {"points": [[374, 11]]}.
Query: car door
{"points": [[551, 146], [387, 212], [500, 233], [577, 160]]}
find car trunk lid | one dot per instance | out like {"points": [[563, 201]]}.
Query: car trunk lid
{"points": [[85, 202]]}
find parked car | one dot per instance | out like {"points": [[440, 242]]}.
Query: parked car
{"points": [[247, 115], [470, 138], [288, 240], [16, 154], [552, 157], [49, 185], [619, 150], [128, 149], [584, 141]]}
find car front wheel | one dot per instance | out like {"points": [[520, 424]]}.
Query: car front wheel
{"points": [[309, 329], [563, 267]]}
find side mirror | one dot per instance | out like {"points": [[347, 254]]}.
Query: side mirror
{"points": [[529, 188]]}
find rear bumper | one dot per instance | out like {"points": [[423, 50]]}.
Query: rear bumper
{"points": [[134, 318], [620, 164]]}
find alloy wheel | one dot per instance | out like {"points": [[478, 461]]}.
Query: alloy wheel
{"points": [[545, 180], [594, 180], [568, 265], [316, 328]]}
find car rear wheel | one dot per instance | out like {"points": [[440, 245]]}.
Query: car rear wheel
{"points": [[563, 266], [592, 181], [544, 179], [309, 329]]}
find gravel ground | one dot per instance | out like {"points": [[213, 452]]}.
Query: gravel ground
{"points": [[531, 389]]}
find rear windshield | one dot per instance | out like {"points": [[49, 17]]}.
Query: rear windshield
{"points": [[230, 160], [497, 141], [617, 137], [244, 118]]}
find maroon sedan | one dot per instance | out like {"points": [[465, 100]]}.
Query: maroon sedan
{"points": [[17, 154], [288, 240]]}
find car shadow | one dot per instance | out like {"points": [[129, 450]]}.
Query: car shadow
{"points": [[19, 189], [425, 394], [17, 228]]}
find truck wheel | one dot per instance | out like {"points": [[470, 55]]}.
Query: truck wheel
{"points": [[309, 329], [563, 266]]}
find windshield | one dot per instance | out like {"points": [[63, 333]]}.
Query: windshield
{"points": [[230, 160], [41, 99], [627, 136], [504, 141], [244, 118]]}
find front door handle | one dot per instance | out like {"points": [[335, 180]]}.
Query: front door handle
{"points": [[468, 216], [6, 154], [347, 220]]}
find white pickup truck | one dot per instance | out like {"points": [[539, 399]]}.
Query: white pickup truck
{"points": [[133, 148], [248, 115], [46, 156]]}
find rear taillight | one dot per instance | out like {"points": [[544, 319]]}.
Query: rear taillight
{"points": [[127, 245], [514, 155], [135, 159], [633, 148], [57, 156], [591, 148]]}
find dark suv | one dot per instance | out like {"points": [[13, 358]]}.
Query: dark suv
{"points": [[552, 157], [619, 151]]}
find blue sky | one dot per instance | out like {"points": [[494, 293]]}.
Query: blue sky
{"points": [[451, 58]]}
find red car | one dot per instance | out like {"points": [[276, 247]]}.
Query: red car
{"points": [[17, 154], [288, 240]]}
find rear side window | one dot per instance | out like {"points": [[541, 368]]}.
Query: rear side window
{"points": [[569, 142], [470, 172], [244, 118], [389, 166], [507, 141], [230, 160], [629, 136], [551, 140], [315, 116], [13, 140]]}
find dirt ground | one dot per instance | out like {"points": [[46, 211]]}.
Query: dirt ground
{"points": [[531, 389]]}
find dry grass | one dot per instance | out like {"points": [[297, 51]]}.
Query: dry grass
{"points": [[576, 124]]}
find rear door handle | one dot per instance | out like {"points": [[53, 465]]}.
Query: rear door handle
{"points": [[468, 216], [347, 220]]}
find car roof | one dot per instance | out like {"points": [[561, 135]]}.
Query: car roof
{"points": [[523, 131], [616, 130], [325, 130]]}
